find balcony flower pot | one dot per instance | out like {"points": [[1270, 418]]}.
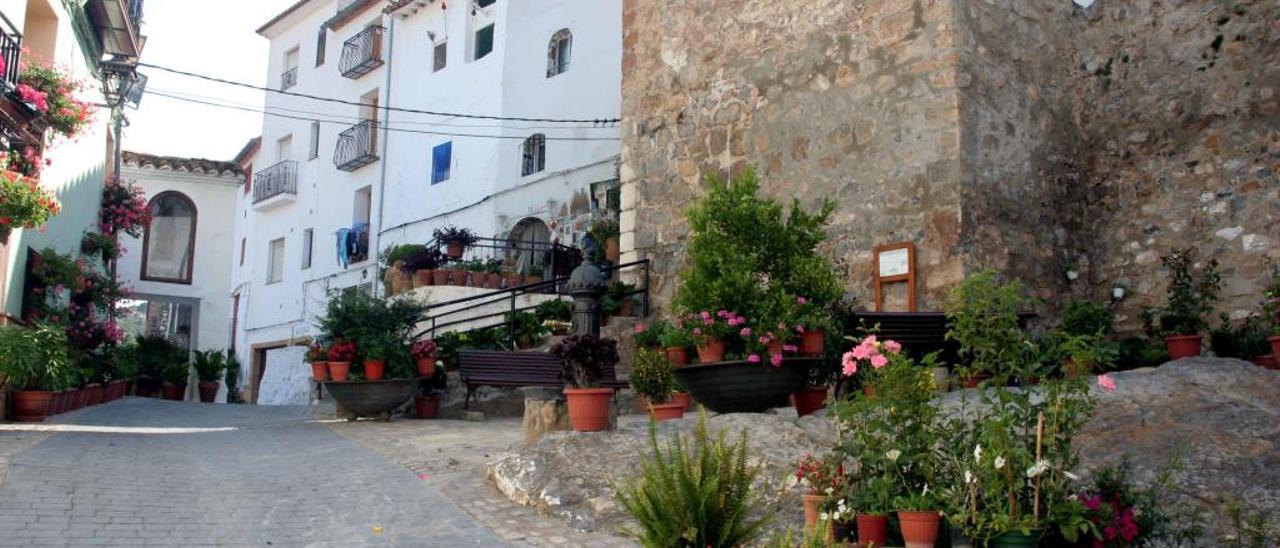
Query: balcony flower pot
{"points": [[684, 399], [453, 250], [1016, 539], [426, 366], [427, 407], [813, 343], [873, 530], [458, 278], [1182, 346], [31, 405], [513, 279], [440, 277], [1275, 346], [93, 394], [174, 392], [319, 371], [743, 386], [422, 278], [809, 399], [812, 507], [678, 355], [711, 351], [666, 411], [588, 408], [919, 529], [208, 391], [374, 370], [338, 371]]}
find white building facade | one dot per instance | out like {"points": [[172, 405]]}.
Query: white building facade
{"points": [[377, 168]]}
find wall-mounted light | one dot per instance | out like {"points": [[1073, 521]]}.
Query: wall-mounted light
{"points": [[1118, 292], [1073, 274]]}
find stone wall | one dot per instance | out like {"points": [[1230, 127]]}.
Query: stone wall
{"points": [[1031, 136]]}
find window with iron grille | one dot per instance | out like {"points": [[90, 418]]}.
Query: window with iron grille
{"points": [[559, 52], [535, 154], [441, 53]]}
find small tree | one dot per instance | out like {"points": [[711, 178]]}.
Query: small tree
{"points": [[1191, 296]]}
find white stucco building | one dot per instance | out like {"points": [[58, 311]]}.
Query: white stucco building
{"points": [[390, 160]]}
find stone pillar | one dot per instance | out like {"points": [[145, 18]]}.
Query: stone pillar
{"points": [[586, 285]]}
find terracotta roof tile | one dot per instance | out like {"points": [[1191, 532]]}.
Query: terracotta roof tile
{"points": [[189, 165]]}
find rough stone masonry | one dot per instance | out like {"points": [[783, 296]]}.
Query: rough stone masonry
{"points": [[1030, 136]]}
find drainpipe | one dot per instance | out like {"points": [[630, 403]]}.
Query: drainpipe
{"points": [[375, 234]]}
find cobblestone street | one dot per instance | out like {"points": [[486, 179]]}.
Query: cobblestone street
{"points": [[141, 472]]}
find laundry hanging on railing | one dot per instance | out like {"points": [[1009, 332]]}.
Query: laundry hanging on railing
{"points": [[352, 244], [344, 246]]}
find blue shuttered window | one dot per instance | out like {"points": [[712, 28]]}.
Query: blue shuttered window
{"points": [[441, 160]]}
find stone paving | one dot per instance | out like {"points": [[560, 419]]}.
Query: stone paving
{"points": [[185, 474]]}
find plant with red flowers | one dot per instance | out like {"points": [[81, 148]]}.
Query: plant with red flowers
{"points": [[423, 349], [342, 351], [820, 476], [51, 91], [23, 204], [124, 208]]}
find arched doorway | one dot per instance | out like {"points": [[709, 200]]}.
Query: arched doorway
{"points": [[528, 241]]}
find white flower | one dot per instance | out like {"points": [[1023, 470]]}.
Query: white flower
{"points": [[893, 455], [999, 463], [968, 477], [824, 516], [1071, 476], [1038, 468], [926, 490], [1073, 496], [828, 491], [977, 453]]}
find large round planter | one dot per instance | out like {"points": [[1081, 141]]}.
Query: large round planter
{"points": [[588, 408], [1183, 346], [371, 398], [374, 370], [919, 529], [319, 371], [1016, 539], [813, 343], [744, 387], [338, 371], [873, 530], [454, 250], [665, 411], [678, 356], [684, 399], [809, 399], [93, 394], [208, 391], [439, 277], [173, 392], [1275, 346], [427, 407], [421, 278], [812, 508], [31, 405], [426, 366], [711, 351]]}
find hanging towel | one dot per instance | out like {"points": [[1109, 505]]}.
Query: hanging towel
{"points": [[360, 239], [344, 247]]}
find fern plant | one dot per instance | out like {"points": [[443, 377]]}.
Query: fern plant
{"points": [[696, 494], [209, 364]]}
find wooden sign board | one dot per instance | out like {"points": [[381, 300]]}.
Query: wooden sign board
{"points": [[895, 263]]}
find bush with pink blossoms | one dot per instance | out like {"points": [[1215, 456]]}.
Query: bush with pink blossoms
{"points": [[124, 209]]}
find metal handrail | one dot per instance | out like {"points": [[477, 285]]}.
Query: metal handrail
{"points": [[357, 146], [362, 53], [288, 78], [281, 178], [10, 51]]}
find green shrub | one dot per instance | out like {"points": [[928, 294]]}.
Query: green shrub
{"points": [[1083, 317], [233, 377], [652, 376], [696, 496], [526, 329], [559, 310], [209, 364], [1191, 296], [982, 314], [176, 373], [35, 358], [154, 354], [1244, 341], [1138, 352], [650, 336], [402, 252]]}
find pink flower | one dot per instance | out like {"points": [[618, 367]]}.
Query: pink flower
{"points": [[850, 363], [802, 300], [763, 339], [776, 360], [790, 348], [1107, 383], [722, 314], [892, 346], [640, 328], [782, 326], [697, 331], [862, 351], [746, 332], [754, 358], [799, 328], [705, 315], [708, 321], [878, 361]]}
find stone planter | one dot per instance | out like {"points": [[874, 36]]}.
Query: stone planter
{"points": [[376, 399], [744, 387]]}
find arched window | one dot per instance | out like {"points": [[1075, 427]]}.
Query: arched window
{"points": [[168, 245], [535, 154], [558, 52]]}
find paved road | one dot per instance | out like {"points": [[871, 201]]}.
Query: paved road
{"points": [[188, 474]]}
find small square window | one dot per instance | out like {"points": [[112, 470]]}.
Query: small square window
{"points": [[441, 162], [484, 43], [441, 54]]}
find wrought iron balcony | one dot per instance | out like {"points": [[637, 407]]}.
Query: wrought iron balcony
{"points": [[357, 146], [276, 185], [10, 51], [289, 78], [362, 53], [119, 25]]}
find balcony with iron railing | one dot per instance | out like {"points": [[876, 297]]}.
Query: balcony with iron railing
{"points": [[275, 186], [10, 51], [288, 78], [119, 26], [362, 53], [357, 146]]}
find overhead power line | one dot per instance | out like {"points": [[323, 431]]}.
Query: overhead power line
{"points": [[395, 129], [600, 121]]}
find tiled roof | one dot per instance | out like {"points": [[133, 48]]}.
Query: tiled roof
{"points": [[288, 11], [188, 165]]}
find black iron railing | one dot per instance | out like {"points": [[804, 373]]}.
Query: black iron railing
{"points": [[288, 78], [10, 51], [362, 53], [135, 14], [357, 146], [281, 178]]}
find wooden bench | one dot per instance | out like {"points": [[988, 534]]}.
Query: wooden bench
{"points": [[516, 370]]}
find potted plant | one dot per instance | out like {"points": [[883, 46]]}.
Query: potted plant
{"points": [[512, 279], [1085, 354], [584, 358], [210, 366], [458, 273], [675, 341], [26, 204], [526, 329], [375, 350], [535, 275], [175, 380], [493, 274], [618, 300], [426, 404], [710, 331], [652, 379], [422, 262], [811, 323], [477, 273], [456, 240], [820, 479], [424, 357], [1191, 297], [341, 354], [318, 356], [982, 317], [34, 362], [604, 232]]}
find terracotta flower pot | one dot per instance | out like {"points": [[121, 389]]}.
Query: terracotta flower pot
{"points": [[338, 371], [711, 351], [208, 391], [513, 279], [427, 407], [588, 408], [82, 398], [1183, 346], [55, 404], [454, 250], [374, 370], [173, 392], [812, 507], [919, 529], [477, 279], [1267, 361], [439, 277], [972, 381], [666, 411], [493, 280], [1275, 346], [458, 278], [684, 399], [426, 366], [813, 343], [422, 278], [93, 394], [809, 399], [678, 356], [319, 371], [31, 405], [531, 280], [873, 530]]}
